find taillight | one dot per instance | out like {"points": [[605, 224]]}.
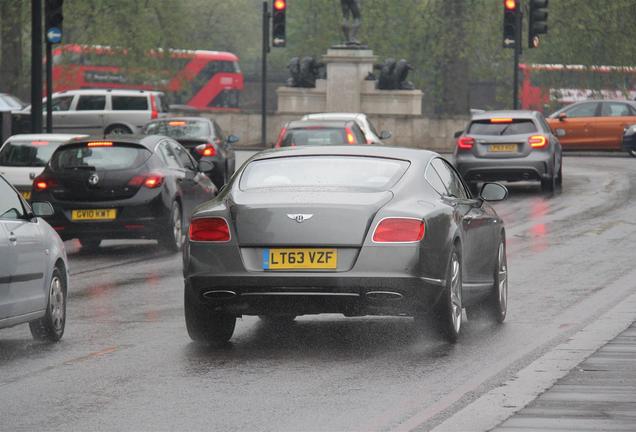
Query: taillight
{"points": [[153, 106], [210, 229], [281, 135], [151, 181], [537, 141], [205, 150], [465, 142], [399, 230], [42, 183], [351, 138]]}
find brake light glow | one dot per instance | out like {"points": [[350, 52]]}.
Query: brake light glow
{"points": [[465, 142], [351, 138], [153, 106], [537, 141], [500, 120], [177, 123], [151, 181], [209, 229], [281, 135], [399, 230], [39, 143], [100, 144], [42, 184], [205, 150]]}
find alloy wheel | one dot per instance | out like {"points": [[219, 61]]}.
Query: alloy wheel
{"points": [[502, 280], [456, 293], [56, 303]]}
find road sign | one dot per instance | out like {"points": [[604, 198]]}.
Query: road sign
{"points": [[54, 35]]}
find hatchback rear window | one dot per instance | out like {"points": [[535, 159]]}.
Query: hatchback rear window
{"points": [[130, 103], [179, 129], [348, 172], [115, 157], [27, 153], [514, 127], [314, 137]]}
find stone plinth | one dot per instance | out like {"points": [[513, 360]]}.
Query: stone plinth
{"points": [[346, 71], [394, 102], [303, 100]]}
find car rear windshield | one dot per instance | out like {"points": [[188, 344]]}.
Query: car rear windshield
{"points": [[315, 136], [179, 129], [115, 157], [348, 172], [515, 127], [27, 153]]}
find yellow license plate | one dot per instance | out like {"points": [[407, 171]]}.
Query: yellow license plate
{"points": [[295, 259], [26, 195], [94, 214], [502, 148]]}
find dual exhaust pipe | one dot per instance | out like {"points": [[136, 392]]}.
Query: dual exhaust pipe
{"points": [[371, 295]]}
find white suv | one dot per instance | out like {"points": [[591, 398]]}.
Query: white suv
{"points": [[105, 111]]}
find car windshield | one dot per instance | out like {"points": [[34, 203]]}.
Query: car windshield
{"points": [[179, 129], [492, 127], [115, 157], [349, 172], [27, 153], [314, 136]]}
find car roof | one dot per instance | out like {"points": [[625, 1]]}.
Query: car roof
{"points": [[53, 137], [147, 141], [409, 154], [177, 118], [334, 116], [118, 92], [304, 124], [515, 114]]}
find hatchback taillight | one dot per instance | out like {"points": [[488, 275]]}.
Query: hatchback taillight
{"points": [[465, 142], [538, 141], [207, 150], [209, 229], [399, 230], [43, 183], [151, 181]]}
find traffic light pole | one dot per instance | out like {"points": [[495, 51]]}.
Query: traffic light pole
{"points": [[36, 66], [264, 73], [49, 87], [515, 75]]}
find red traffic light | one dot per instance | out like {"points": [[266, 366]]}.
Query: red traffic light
{"points": [[510, 5], [280, 5]]}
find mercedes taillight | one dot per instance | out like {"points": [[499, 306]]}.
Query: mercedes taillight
{"points": [[465, 142]]}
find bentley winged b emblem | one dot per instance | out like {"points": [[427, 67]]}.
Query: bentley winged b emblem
{"points": [[300, 218]]}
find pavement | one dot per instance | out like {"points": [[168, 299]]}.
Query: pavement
{"points": [[585, 384]]}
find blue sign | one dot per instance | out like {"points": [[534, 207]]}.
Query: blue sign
{"points": [[54, 35]]}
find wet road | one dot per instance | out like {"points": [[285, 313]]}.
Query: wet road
{"points": [[126, 362]]}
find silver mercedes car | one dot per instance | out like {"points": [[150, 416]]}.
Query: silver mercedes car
{"points": [[357, 230]]}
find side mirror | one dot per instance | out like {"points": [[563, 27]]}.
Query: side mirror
{"points": [[42, 208], [232, 139], [458, 134], [493, 192], [205, 166], [562, 116], [385, 135]]}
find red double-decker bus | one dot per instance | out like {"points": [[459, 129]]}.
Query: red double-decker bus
{"points": [[548, 87], [205, 80]]}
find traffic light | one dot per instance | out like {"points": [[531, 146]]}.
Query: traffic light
{"points": [[279, 37], [538, 21], [53, 14], [510, 33]]}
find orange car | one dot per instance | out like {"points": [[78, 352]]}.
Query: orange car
{"points": [[593, 124]]}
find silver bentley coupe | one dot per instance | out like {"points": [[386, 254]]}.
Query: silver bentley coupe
{"points": [[356, 230]]}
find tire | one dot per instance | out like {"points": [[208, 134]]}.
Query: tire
{"points": [[51, 326], [548, 185], [495, 306], [174, 238], [205, 325], [559, 179], [448, 311], [118, 130], [90, 244], [219, 178], [277, 320]]}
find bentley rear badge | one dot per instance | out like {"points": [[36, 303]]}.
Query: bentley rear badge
{"points": [[300, 218]]}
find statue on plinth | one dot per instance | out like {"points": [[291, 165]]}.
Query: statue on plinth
{"points": [[352, 18]]}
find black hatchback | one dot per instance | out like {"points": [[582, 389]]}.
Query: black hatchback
{"points": [[123, 187]]}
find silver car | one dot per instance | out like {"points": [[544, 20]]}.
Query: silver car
{"points": [[372, 136], [105, 112], [356, 230], [33, 267]]}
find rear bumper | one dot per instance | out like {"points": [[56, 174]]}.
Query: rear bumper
{"points": [[535, 166], [299, 294]]}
